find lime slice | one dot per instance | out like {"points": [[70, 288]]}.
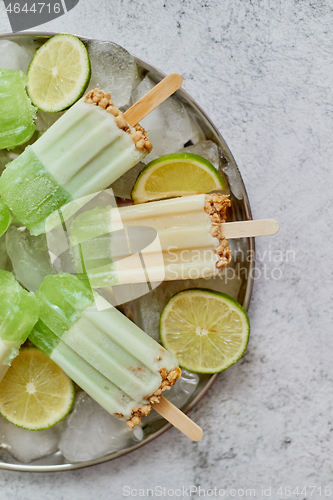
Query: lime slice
{"points": [[35, 393], [177, 174], [207, 331], [59, 73]]}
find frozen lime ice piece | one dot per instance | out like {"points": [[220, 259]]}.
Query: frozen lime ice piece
{"points": [[5, 217], [82, 153], [30, 191], [106, 354], [17, 112], [4, 258], [18, 314], [62, 299], [5, 262], [30, 257], [4, 159]]}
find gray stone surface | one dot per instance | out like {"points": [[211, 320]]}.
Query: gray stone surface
{"points": [[263, 72]]}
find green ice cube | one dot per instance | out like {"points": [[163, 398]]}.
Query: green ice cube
{"points": [[4, 159], [18, 310], [17, 112], [30, 191], [62, 299], [5, 218], [29, 256], [5, 262]]}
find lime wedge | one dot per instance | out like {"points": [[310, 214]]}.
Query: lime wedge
{"points": [[35, 393], [176, 174], [207, 331], [59, 73]]}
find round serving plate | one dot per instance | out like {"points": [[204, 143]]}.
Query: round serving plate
{"points": [[241, 211]]}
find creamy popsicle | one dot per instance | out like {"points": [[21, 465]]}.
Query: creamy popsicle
{"points": [[86, 150], [191, 244], [18, 314], [106, 354]]}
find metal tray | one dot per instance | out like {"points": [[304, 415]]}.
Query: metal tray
{"points": [[241, 211]]}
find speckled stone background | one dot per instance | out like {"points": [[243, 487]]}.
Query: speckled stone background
{"points": [[263, 71]]}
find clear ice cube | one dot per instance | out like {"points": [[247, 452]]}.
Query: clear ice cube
{"points": [[124, 185], [181, 392], [30, 257], [14, 57], [146, 312], [113, 69], [206, 149], [234, 180], [168, 126], [26, 446], [45, 120], [92, 432], [197, 133]]}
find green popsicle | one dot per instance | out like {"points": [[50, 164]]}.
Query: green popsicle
{"points": [[106, 354]]}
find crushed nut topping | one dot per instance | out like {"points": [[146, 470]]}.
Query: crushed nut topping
{"points": [[216, 207], [137, 133], [168, 379]]}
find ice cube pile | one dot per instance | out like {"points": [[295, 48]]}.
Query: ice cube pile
{"points": [[171, 127]]}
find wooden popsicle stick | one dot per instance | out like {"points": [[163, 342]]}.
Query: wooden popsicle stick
{"points": [[249, 228], [155, 96], [178, 419]]}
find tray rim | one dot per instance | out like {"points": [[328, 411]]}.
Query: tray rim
{"points": [[181, 92]]}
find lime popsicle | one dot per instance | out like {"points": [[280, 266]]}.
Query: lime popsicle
{"points": [[86, 150], [18, 314], [191, 243], [106, 354]]}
